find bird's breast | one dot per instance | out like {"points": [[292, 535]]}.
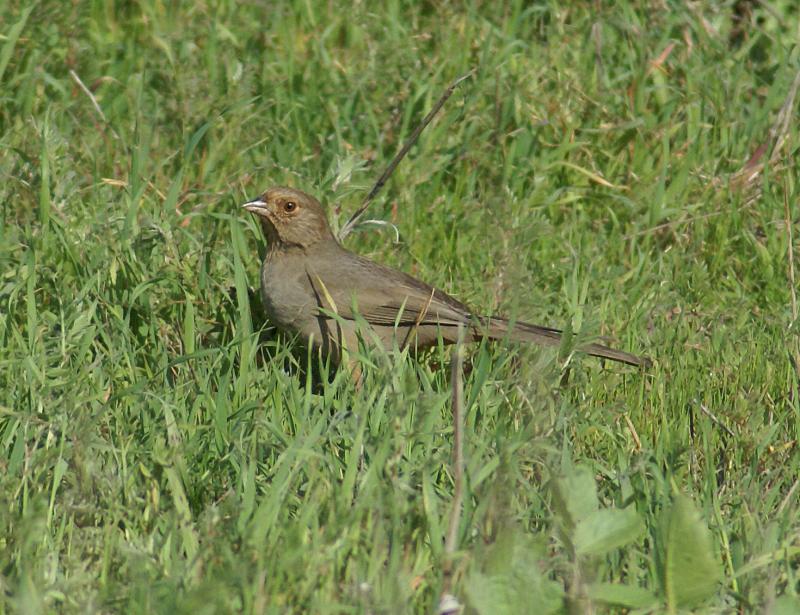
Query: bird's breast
{"points": [[287, 295]]}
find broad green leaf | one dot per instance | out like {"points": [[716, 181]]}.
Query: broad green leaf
{"points": [[785, 605], [575, 495], [628, 596], [511, 581], [604, 530], [690, 568]]}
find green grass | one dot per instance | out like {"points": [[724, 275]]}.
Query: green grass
{"points": [[160, 450]]}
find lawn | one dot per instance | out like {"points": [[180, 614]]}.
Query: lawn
{"points": [[623, 170]]}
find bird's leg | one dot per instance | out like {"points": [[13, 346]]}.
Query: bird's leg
{"points": [[354, 367]]}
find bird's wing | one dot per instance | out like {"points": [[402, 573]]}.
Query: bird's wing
{"points": [[384, 296]]}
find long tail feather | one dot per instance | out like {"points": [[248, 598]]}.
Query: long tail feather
{"points": [[497, 328]]}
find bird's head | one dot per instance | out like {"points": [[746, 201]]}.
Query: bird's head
{"points": [[290, 217]]}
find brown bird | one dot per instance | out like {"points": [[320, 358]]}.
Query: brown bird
{"points": [[312, 286]]}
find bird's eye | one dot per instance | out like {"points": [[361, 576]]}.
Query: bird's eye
{"points": [[289, 206]]}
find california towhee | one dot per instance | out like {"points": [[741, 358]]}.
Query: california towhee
{"points": [[314, 287]]}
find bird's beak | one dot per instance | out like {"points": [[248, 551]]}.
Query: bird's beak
{"points": [[256, 206]]}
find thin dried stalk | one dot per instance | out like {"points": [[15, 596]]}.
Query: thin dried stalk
{"points": [[348, 227]]}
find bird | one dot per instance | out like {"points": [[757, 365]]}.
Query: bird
{"points": [[314, 287]]}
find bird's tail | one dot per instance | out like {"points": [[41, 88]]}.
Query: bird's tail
{"points": [[499, 328]]}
